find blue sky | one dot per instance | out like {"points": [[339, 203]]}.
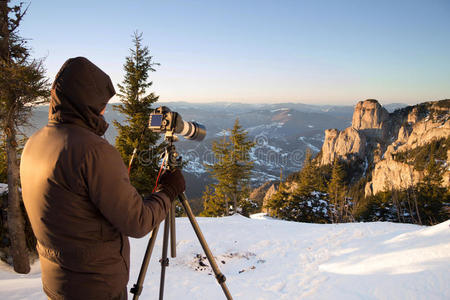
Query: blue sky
{"points": [[323, 52]]}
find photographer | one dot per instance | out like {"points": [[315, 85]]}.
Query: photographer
{"points": [[78, 195]]}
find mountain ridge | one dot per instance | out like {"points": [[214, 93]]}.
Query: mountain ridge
{"points": [[377, 136]]}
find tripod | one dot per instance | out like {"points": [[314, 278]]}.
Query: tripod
{"points": [[174, 161]]}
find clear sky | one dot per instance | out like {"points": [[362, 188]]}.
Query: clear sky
{"points": [[323, 52]]}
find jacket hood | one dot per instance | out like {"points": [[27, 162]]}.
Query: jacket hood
{"points": [[79, 93]]}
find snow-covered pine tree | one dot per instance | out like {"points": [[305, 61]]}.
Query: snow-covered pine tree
{"points": [[22, 85], [136, 106], [277, 203], [307, 201]]}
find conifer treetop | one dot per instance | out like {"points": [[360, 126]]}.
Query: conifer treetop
{"points": [[136, 106]]}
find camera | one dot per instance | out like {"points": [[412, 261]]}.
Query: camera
{"points": [[163, 120]]}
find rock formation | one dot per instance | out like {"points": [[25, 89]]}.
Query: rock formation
{"points": [[258, 195], [376, 136], [272, 190], [370, 118], [342, 144]]}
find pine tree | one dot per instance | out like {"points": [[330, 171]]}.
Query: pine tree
{"points": [[213, 204], [232, 169], [308, 179], [216, 198], [431, 194], [136, 106], [22, 85], [337, 192], [241, 166], [306, 203], [276, 205]]}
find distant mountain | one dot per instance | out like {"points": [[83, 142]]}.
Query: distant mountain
{"points": [[394, 106], [282, 133]]}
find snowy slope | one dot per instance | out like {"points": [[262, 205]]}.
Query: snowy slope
{"points": [[271, 259]]}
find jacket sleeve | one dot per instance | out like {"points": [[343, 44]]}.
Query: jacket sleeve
{"points": [[109, 188]]}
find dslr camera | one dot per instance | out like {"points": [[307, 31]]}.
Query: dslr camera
{"points": [[163, 120]]}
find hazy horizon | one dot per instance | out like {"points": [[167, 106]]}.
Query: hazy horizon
{"points": [[116, 100]]}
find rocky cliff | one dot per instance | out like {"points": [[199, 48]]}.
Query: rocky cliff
{"points": [[377, 138], [258, 195], [269, 193]]}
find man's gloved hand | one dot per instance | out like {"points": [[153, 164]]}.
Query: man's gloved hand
{"points": [[172, 183]]}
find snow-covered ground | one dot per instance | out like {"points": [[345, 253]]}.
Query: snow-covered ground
{"points": [[3, 188], [265, 258]]}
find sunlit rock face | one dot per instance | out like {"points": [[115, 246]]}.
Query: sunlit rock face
{"points": [[370, 118], [341, 144], [369, 122], [270, 192], [376, 136]]}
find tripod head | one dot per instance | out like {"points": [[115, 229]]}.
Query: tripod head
{"points": [[172, 158]]}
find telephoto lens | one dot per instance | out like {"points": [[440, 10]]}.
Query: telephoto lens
{"points": [[193, 131]]}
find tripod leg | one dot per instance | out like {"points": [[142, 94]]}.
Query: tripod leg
{"points": [[219, 276], [173, 236], [164, 260], [137, 287]]}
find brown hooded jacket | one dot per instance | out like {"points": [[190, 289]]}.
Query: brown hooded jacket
{"points": [[77, 192]]}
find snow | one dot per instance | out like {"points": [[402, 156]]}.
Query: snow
{"points": [[280, 109], [311, 146], [193, 163], [259, 129], [264, 176], [261, 216], [273, 148], [194, 167], [3, 188], [223, 133], [264, 258], [366, 165], [267, 157]]}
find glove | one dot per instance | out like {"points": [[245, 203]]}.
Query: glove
{"points": [[172, 183]]}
